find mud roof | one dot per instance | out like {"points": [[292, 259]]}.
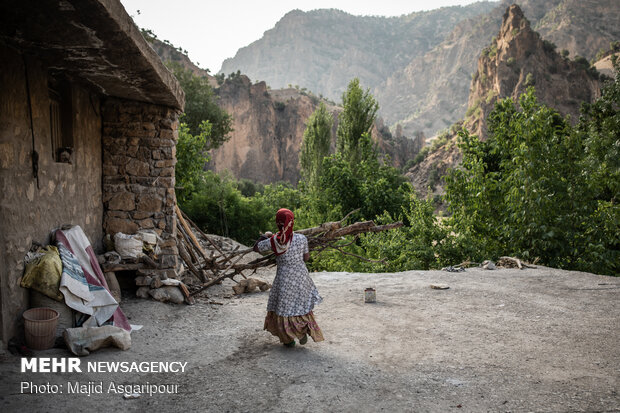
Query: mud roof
{"points": [[94, 41]]}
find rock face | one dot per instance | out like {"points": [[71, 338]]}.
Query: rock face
{"points": [[419, 65], [581, 27], [429, 94], [266, 140], [515, 59], [268, 131], [519, 58], [425, 177], [323, 50], [269, 125]]}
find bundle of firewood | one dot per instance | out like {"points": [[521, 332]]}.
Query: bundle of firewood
{"points": [[213, 264]]}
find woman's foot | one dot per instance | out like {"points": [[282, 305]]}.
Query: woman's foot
{"points": [[303, 340], [291, 344]]}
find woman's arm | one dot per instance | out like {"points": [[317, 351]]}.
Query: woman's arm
{"points": [[306, 256], [263, 237]]}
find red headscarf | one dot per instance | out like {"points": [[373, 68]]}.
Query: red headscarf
{"points": [[282, 240]]}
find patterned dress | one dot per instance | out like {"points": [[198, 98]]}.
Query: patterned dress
{"points": [[293, 294]]}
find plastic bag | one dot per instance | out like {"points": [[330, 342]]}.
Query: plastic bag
{"points": [[128, 246], [43, 273]]}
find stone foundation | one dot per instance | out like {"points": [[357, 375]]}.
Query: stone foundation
{"points": [[139, 154]]}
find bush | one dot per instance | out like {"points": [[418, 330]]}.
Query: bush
{"points": [[219, 208], [537, 188]]}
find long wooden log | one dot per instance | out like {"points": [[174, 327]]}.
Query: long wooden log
{"points": [[190, 233], [215, 280], [187, 259], [184, 238], [326, 227], [353, 229], [205, 236]]}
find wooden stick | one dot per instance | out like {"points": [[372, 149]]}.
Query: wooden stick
{"points": [[122, 267], [325, 227], [187, 259], [205, 236], [187, 244], [189, 232]]}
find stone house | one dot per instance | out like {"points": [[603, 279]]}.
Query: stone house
{"points": [[88, 130]]}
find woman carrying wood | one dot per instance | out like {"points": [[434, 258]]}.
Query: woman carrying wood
{"points": [[293, 294]]}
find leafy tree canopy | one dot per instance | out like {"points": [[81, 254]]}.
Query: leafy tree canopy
{"points": [[315, 145], [355, 122]]}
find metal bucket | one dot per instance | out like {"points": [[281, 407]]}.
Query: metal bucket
{"points": [[370, 295]]}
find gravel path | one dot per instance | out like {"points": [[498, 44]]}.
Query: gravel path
{"points": [[540, 340]]}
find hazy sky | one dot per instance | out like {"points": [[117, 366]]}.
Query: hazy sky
{"points": [[214, 30]]}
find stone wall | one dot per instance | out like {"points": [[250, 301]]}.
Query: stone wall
{"points": [[139, 154], [66, 193]]}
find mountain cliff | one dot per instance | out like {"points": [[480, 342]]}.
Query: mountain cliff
{"points": [[269, 127], [418, 66], [516, 59], [266, 140], [323, 50], [519, 58], [269, 124]]}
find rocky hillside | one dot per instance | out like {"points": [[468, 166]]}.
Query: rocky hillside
{"points": [[323, 50], [430, 93], [418, 66], [268, 131], [266, 140], [519, 58], [515, 59], [269, 125], [581, 27]]}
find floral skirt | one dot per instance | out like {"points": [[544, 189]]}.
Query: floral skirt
{"points": [[288, 329]]}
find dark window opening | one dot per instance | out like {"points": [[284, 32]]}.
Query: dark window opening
{"points": [[61, 119]]}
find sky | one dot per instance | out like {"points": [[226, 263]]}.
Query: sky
{"points": [[213, 30]]}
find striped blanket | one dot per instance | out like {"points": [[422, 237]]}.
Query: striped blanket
{"points": [[82, 282]]}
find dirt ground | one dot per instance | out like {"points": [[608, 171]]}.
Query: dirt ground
{"points": [[540, 340]]}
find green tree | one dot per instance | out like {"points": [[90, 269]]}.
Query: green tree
{"points": [[372, 186], [200, 105], [422, 243], [191, 158], [538, 188], [518, 191], [355, 123], [599, 128], [218, 207], [315, 146]]}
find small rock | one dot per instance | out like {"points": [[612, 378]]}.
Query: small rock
{"points": [[143, 292], [143, 280], [440, 286], [452, 268], [156, 282], [165, 294]]}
